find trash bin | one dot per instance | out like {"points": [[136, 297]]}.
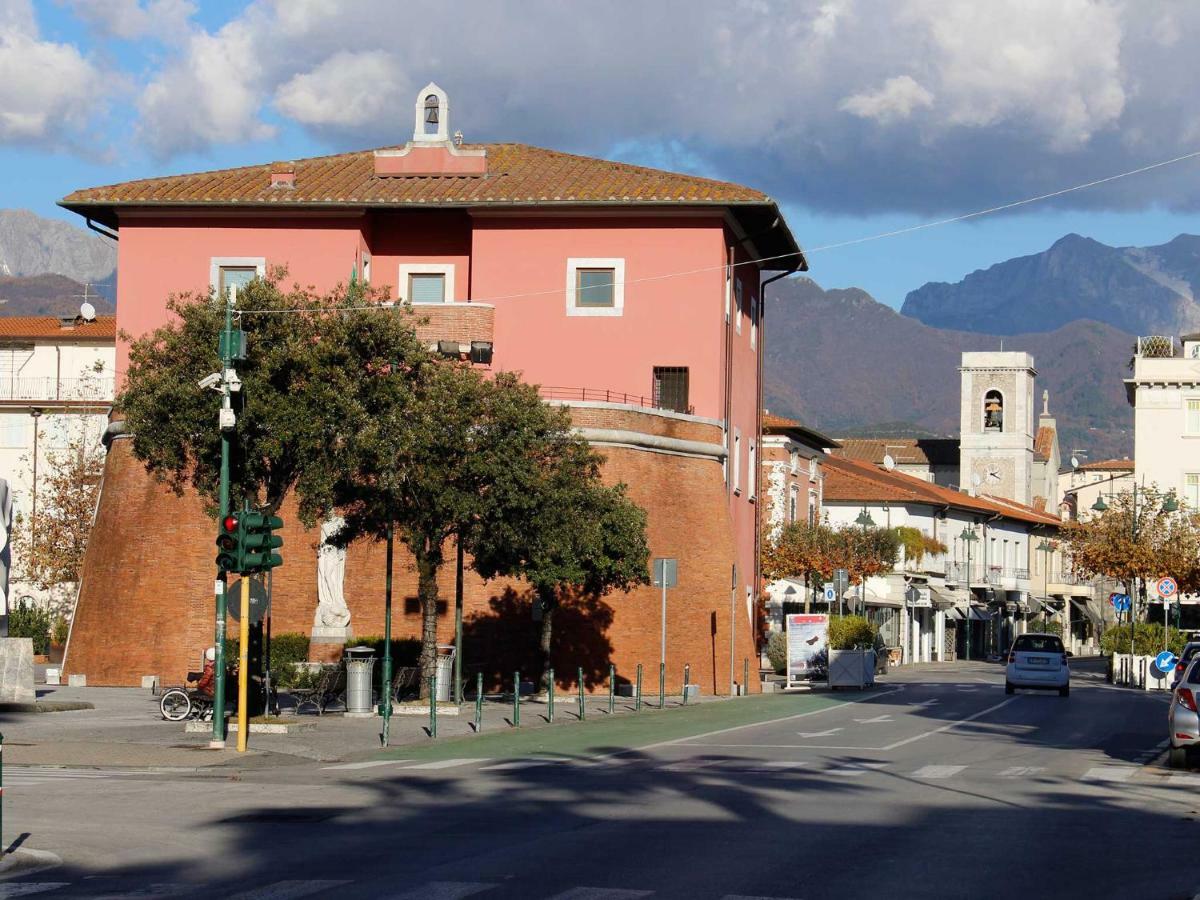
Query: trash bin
{"points": [[360, 665], [445, 671]]}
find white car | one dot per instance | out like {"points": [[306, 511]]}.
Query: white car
{"points": [[1038, 661]]}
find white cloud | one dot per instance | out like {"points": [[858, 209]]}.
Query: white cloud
{"points": [[896, 99], [915, 105], [128, 19], [49, 92]]}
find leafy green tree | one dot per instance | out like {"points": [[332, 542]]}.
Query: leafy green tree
{"points": [[464, 450], [312, 361], [565, 532]]}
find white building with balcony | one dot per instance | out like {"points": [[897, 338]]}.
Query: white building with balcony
{"points": [[1164, 392], [56, 383]]}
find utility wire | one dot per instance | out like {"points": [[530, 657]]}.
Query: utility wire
{"points": [[764, 259]]}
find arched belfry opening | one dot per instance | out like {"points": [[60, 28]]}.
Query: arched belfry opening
{"points": [[432, 116], [993, 411]]}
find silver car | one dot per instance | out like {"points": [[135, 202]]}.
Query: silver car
{"points": [[1038, 661], [1183, 720]]}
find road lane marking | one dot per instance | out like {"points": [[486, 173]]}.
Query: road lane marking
{"points": [[1184, 779], [1109, 774], [875, 720], [594, 893], [813, 734], [288, 890], [1021, 771], [24, 889], [925, 704], [936, 772], [447, 763], [854, 770], [949, 725], [444, 890], [365, 765]]}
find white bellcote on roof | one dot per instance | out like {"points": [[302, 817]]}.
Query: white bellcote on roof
{"points": [[432, 153]]}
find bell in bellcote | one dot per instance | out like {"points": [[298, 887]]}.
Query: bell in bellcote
{"points": [[431, 110]]}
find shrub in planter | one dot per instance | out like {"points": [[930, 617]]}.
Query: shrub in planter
{"points": [[28, 621], [777, 651], [850, 633], [60, 631], [1147, 639]]}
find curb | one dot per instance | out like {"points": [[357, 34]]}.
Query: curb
{"points": [[47, 706], [28, 862]]}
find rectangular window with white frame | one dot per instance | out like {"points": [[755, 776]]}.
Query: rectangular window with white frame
{"points": [[595, 286], [814, 504], [793, 503], [752, 471], [1192, 405], [753, 323], [426, 283], [15, 432], [728, 290], [737, 293], [225, 272], [737, 460], [1191, 490]]}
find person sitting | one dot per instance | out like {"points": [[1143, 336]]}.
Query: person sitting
{"points": [[204, 684]]}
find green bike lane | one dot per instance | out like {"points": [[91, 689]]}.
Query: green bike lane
{"points": [[601, 735]]}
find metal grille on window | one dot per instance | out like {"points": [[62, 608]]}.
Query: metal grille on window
{"points": [[671, 388]]}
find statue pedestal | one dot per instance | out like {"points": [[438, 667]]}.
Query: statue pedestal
{"points": [[326, 643]]}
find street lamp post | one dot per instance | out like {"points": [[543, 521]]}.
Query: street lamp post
{"points": [[969, 537], [864, 519], [1046, 548]]}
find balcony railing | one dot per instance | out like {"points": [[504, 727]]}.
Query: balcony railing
{"points": [[602, 395], [47, 389]]}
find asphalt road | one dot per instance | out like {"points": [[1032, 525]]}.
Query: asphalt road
{"points": [[934, 785]]}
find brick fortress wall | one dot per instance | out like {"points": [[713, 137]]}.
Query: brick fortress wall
{"points": [[146, 595]]}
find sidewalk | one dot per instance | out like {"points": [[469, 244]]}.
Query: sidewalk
{"points": [[124, 729]]}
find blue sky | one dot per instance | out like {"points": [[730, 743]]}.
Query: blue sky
{"points": [[859, 117]]}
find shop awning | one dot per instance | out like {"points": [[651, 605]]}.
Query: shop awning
{"points": [[884, 602], [1088, 612], [945, 599], [956, 613], [980, 615], [1033, 605]]}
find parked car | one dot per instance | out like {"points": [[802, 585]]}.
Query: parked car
{"points": [[1190, 649], [1183, 720], [1038, 661]]}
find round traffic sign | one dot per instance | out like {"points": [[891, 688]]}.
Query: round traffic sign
{"points": [[1121, 602], [1165, 661], [1166, 587]]}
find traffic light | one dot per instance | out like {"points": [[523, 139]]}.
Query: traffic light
{"points": [[258, 540], [229, 545]]}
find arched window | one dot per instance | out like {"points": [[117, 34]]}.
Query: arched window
{"points": [[431, 113], [993, 411]]}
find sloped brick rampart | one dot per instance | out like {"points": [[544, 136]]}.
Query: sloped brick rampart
{"points": [[146, 599], [462, 322]]}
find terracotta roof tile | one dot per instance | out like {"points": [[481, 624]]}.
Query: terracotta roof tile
{"points": [[32, 327], [1108, 465], [1043, 444], [516, 174], [852, 481], [905, 451]]}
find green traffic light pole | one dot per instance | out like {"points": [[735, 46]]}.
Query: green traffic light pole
{"points": [[385, 702], [218, 733], [969, 537]]}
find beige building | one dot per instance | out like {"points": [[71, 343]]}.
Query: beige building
{"points": [[56, 384], [1089, 482], [1165, 394], [997, 429]]}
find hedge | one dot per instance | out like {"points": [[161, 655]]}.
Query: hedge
{"points": [[25, 620], [1147, 639]]}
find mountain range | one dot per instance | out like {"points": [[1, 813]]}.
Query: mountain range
{"points": [[1141, 290], [34, 246], [844, 363]]}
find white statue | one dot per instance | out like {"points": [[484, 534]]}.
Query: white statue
{"points": [[332, 611]]}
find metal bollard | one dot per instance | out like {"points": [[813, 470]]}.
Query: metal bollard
{"points": [[662, 685], [612, 688], [516, 699], [637, 706], [433, 706], [478, 702], [582, 708], [687, 680], [745, 675], [550, 711]]}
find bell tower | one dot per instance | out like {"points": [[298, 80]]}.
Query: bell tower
{"points": [[997, 430]]}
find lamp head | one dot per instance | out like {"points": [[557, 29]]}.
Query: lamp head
{"points": [[1100, 506]]}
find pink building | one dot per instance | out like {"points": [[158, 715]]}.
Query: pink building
{"points": [[630, 294]]}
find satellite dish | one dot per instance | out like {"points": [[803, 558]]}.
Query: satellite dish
{"points": [[1074, 462], [87, 311], [888, 462]]}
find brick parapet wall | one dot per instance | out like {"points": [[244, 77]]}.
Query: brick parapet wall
{"points": [[146, 597], [462, 322]]}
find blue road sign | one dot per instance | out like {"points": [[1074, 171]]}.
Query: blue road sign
{"points": [[1121, 602], [830, 594], [1165, 661]]}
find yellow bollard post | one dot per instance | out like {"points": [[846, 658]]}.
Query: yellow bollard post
{"points": [[243, 668]]}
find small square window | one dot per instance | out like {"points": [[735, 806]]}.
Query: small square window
{"points": [[235, 276], [671, 388], [1193, 416], [1191, 490], [594, 287], [427, 288]]}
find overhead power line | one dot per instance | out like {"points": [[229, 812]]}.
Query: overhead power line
{"points": [[820, 249]]}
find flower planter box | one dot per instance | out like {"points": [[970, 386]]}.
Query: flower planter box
{"points": [[851, 668]]}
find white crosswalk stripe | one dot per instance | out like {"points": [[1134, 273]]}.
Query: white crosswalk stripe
{"points": [[1184, 779], [854, 770], [937, 772], [288, 890], [446, 763], [1111, 774], [1021, 771], [444, 890]]}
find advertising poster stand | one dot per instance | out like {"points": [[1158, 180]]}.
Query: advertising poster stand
{"points": [[807, 648]]}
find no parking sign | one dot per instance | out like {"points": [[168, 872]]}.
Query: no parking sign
{"points": [[1166, 587]]}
